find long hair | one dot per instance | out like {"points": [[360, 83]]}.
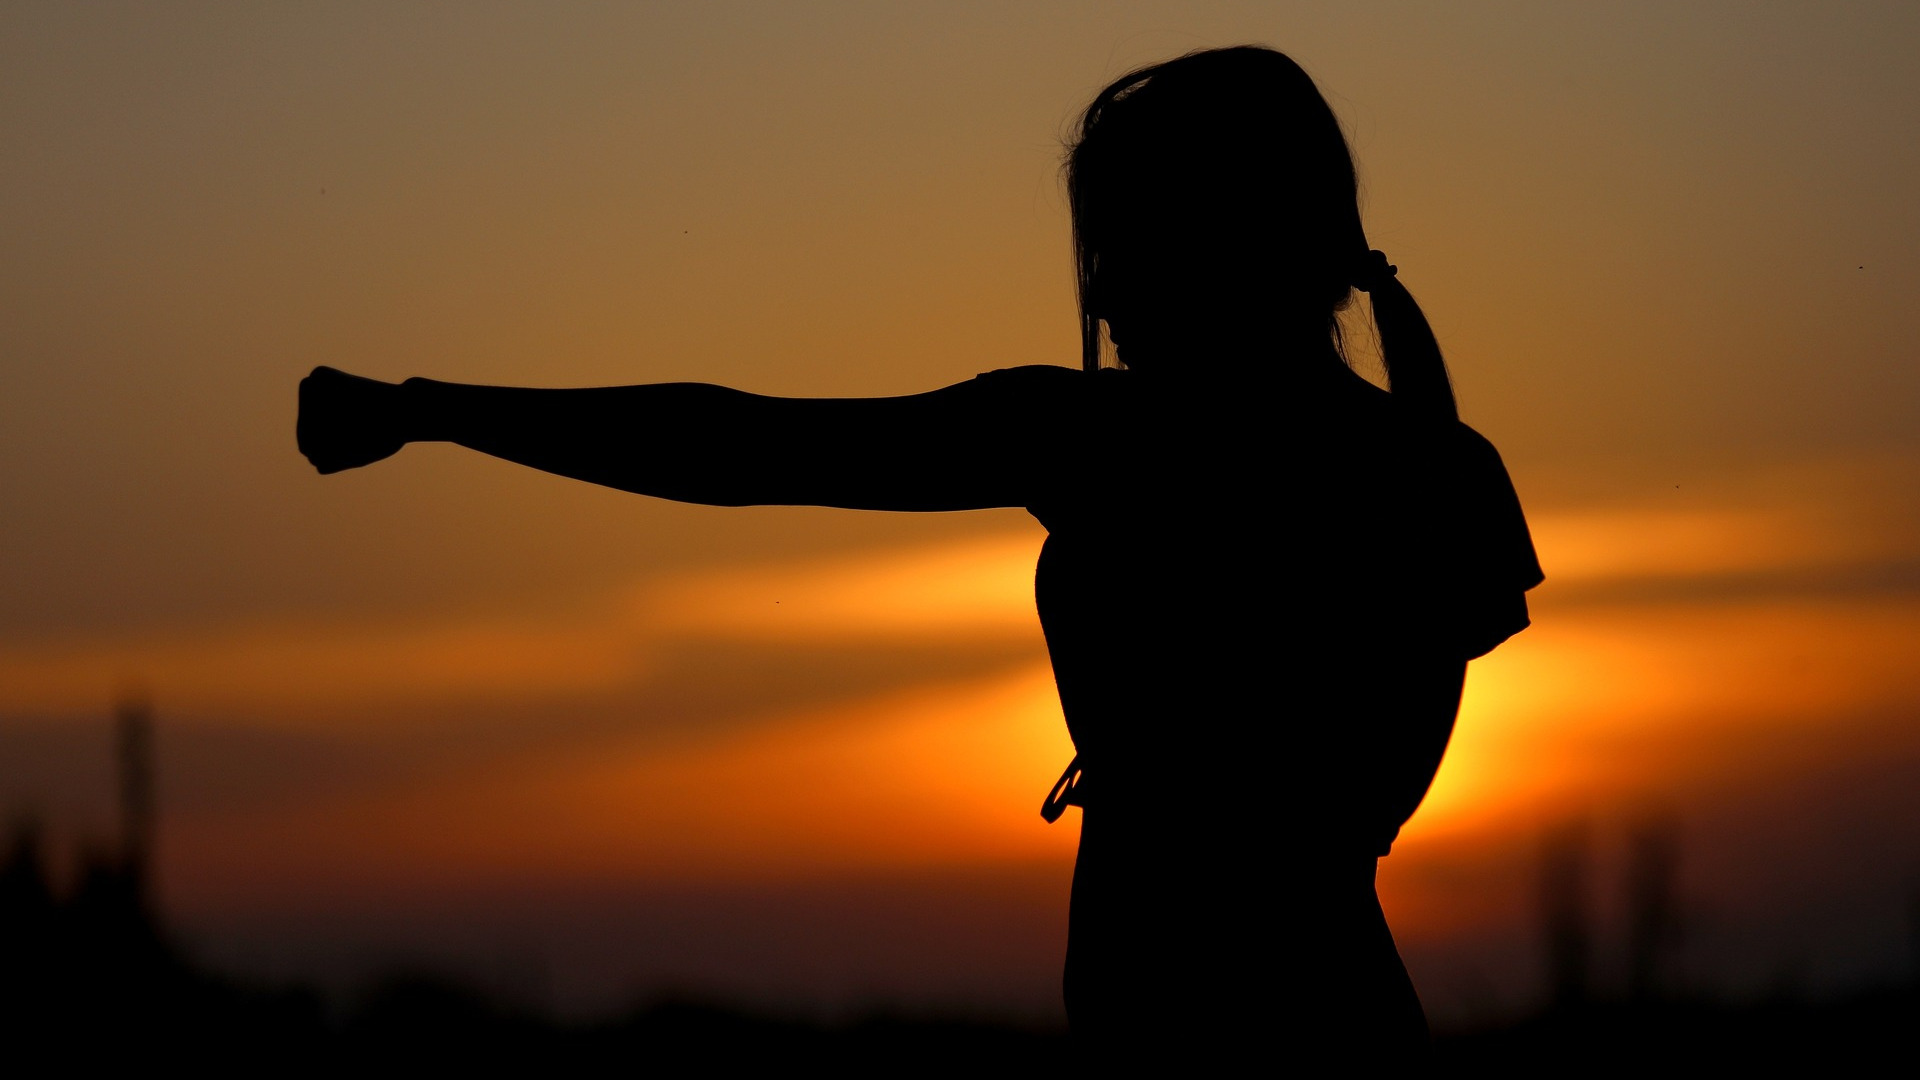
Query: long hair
{"points": [[1224, 175]]}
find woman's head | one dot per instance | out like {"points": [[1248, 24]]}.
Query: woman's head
{"points": [[1213, 197]]}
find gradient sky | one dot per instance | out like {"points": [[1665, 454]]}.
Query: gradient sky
{"points": [[451, 707]]}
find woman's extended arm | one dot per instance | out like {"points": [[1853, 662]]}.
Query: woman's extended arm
{"points": [[968, 446]]}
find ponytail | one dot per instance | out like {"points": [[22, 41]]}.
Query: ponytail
{"points": [[1411, 354]]}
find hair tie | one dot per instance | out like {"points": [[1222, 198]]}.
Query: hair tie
{"points": [[1372, 271]]}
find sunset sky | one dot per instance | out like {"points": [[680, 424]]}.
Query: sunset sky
{"points": [[589, 746]]}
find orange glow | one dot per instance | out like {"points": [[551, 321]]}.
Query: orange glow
{"points": [[293, 671], [1675, 292], [1562, 716], [1593, 705], [303, 672], [939, 776], [971, 586], [1680, 543]]}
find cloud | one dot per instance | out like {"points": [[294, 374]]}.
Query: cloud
{"points": [[967, 594], [981, 586], [933, 775]]}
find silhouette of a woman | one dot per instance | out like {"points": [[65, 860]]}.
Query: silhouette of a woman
{"points": [[1263, 576]]}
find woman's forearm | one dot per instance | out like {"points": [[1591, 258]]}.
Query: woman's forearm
{"points": [[694, 442], [682, 441]]}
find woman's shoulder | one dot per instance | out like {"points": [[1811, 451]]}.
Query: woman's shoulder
{"points": [[1049, 390], [1034, 378]]}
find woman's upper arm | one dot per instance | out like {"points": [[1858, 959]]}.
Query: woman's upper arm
{"points": [[988, 442]]}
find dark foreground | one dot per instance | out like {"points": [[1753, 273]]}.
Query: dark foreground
{"points": [[420, 1023], [90, 979]]}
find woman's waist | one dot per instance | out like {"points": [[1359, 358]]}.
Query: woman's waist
{"points": [[1332, 812], [1259, 856]]}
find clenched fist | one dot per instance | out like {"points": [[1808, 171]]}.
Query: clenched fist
{"points": [[347, 421]]}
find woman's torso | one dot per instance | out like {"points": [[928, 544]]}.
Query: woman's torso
{"points": [[1246, 606]]}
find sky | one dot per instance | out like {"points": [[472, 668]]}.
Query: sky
{"points": [[590, 746]]}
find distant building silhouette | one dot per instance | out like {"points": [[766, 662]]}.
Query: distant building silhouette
{"points": [[133, 754], [1654, 926], [1566, 916], [1913, 937], [89, 959]]}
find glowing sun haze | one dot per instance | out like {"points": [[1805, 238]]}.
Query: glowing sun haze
{"points": [[795, 753]]}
